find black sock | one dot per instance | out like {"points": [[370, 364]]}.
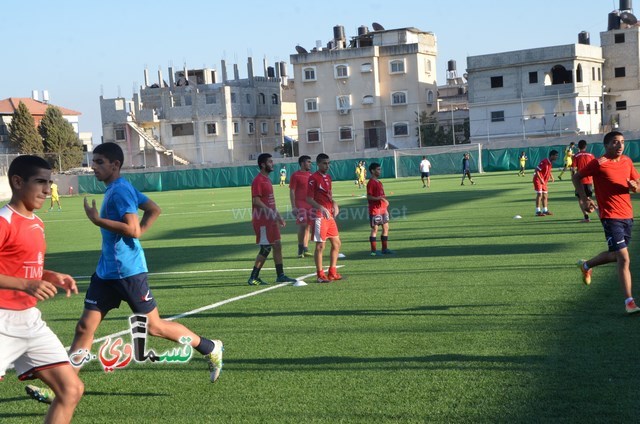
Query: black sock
{"points": [[205, 347], [279, 269], [300, 249], [586, 216], [255, 272]]}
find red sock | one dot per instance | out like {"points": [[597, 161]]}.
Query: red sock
{"points": [[372, 241], [384, 242]]}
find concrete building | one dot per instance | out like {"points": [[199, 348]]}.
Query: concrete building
{"points": [[199, 116], [453, 104], [541, 92], [364, 93]]}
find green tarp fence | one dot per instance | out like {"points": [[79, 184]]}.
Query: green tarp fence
{"points": [[407, 165]]}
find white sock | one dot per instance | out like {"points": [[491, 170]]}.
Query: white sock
{"points": [[628, 300]]}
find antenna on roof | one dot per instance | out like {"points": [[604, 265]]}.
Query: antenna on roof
{"points": [[301, 50], [377, 27]]}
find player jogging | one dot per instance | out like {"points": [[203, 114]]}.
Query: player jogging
{"points": [[25, 339], [378, 210], [568, 160], [541, 176], [300, 208], [320, 197], [580, 161], [425, 168], [266, 222]]}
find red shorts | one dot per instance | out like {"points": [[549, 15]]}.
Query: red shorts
{"points": [[304, 216], [324, 228], [539, 187], [266, 233]]}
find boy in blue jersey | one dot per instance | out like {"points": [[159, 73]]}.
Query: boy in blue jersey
{"points": [[121, 273]]}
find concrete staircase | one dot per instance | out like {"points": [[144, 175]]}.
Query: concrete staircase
{"points": [[151, 140]]}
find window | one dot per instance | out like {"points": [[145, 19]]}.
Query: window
{"points": [[427, 66], [593, 74], [622, 105], [396, 66], [497, 116], [120, 134], [343, 103], [430, 97], [366, 67], [251, 128], [367, 100], [595, 108], [496, 82], [119, 104], [261, 99], [210, 99], [399, 98], [274, 99], [278, 128], [588, 109], [311, 105], [599, 74], [619, 72], [236, 128], [3, 130], [248, 97], [264, 127], [178, 130], [618, 38], [175, 101], [579, 73], [313, 135], [341, 71], [234, 98], [187, 100], [401, 129], [211, 128], [533, 77], [345, 133], [309, 74]]}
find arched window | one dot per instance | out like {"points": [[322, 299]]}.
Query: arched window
{"points": [[579, 73], [261, 99], [274, 99]]}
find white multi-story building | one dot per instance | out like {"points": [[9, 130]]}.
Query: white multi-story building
{"points": [[365, 93], [536, 92], [198, 117]]}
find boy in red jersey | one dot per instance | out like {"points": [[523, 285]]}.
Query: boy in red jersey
{"points": [[320, 197], [541, 176], [299, 207], [266, 223], [580, 161], [614, 176], [25, 339], [378, 210]]}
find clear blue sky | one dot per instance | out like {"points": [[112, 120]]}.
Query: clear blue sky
{"points": [[79, 49]]}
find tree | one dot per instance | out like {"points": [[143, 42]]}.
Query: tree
{"points": [[23, 133], [61, 143], [431, 133]]}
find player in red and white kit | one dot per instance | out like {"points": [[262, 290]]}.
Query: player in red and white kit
{"points": [[580, 161], [378, 210], [320, 197], [614, 176], [266, 223], [25, 339], [541, 175], [300, 208]]}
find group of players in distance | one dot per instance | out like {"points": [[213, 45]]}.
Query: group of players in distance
{"points": [[315, 210], [612, 177]]}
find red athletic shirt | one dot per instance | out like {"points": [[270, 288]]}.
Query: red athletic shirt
{"points": [[611, 186], [375, 189], [261, 187], [544, 170], [319, 189], [22, 248], [580, 160], [299, 182]]}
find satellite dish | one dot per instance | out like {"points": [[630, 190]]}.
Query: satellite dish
{"points": [[628, 18], [301, 50], [377, 27]]}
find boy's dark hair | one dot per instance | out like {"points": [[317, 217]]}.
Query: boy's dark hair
{"points": [[373, 166], [553, 153], [26, 166], [321, 157], [263, 158], [610, 136], [303, 159], [582, 144], [111, 151]]}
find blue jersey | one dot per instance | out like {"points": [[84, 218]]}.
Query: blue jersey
{"points": [[121, 256], [465, 165]]}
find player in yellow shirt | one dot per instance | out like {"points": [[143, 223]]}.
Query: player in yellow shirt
{"points": [[568, 160], [523, 163], [55, 197]]}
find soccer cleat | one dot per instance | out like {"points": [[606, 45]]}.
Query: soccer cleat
{"points": [[41, 394], [257, 282], [585, 220], [631, 307], [387, 252], [307, 254], [284, 279], [548, 213], [539, 213], [214, 360], [586, 274], [375, 253], [334, 276], [301, 255], [322, 278]]}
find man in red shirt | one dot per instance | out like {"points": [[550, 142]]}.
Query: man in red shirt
{"points": [[541, 175], [320, 197], [580, 161], [266, 222], [614, 177], [25, 339], [299, 207], [378, 210]]}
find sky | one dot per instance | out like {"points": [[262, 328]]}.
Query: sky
{"points": [[78, 50]]}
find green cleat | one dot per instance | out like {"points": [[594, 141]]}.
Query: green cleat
{"points": [[257, 282], [214, 360], [41, 394], [284, 279]]}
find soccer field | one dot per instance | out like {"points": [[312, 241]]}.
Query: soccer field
{"points": [[478, 317]]}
